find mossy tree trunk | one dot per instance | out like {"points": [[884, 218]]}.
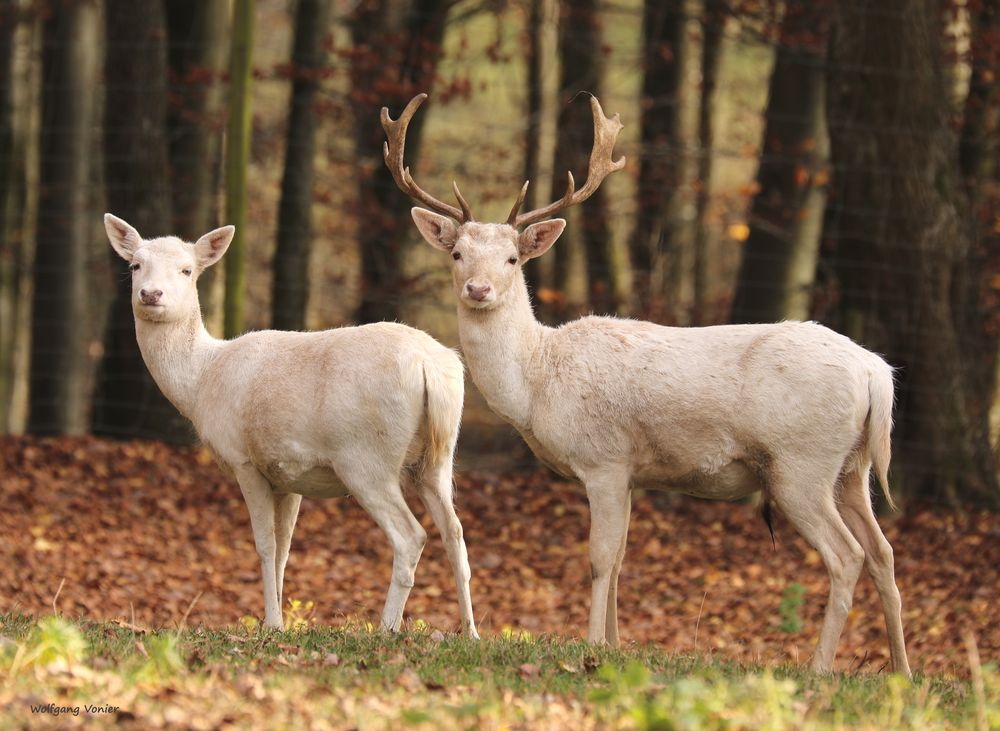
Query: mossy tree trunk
{"points": [[10, 240]]}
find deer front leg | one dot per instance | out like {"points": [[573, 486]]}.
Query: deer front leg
{"points": [[611, 626], [260, 502], [286, 512], [610, 502]]}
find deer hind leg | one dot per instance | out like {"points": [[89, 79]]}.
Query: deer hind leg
{"points": [[436, 494], [856, 510], [286, 512], [379, 493], [805, 495]]}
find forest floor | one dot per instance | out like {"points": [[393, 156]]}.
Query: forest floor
{"points": [[56, 673], [152, 536]]}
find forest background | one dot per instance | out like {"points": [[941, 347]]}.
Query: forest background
{"points": [[798, 159]]}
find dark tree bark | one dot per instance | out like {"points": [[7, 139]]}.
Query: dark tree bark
{"points": [[397, 45], [980, 169], [660, 241], [291, 258], [581, 57], [977, 144], [714, 18], [541, 134], [782, 241], [69, 72], [898, 243], [197, 53], [128, 402]]}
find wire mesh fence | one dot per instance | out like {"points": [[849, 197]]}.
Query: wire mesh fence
{"points": [[800, 160]]}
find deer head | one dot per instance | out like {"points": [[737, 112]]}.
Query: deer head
{"points": [[487, 257], [165, 270]]}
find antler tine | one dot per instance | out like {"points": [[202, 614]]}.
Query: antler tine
{"points": [[606, 131], [602, 162], [517, 204], [392, 151], [466, 211]]}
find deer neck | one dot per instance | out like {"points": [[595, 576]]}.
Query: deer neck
{"points": [[501, 347], [176, 354]]}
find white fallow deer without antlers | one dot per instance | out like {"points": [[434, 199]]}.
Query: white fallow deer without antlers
{"points": [[352, 411], [792, 409]]}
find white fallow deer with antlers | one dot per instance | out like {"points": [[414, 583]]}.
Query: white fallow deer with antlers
{"points": [[353, 411], [792, 409]]}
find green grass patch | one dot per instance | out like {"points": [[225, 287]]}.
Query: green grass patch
{"points": [[61, 672]]}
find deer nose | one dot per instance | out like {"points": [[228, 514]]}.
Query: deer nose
{"points": [[478, 292], [150, 297]]}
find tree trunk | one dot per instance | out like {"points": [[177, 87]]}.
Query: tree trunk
{"points": [[291, 258], [397, 45], [662, 241], [779, 258], [10, 240], [899, 248], [977, 144], [586, 246], [21, 220], [128, 402], [70, 67], [237, 162], [978, 152], [198, 43], [543, 114], [581, 63], [714, 17]]}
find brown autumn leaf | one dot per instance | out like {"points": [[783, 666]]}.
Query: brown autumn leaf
{"points": [[409, 680], [548, 296], [529, 670]]}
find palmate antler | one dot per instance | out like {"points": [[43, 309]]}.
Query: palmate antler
{"points": [[606, 130], [392, 151]]}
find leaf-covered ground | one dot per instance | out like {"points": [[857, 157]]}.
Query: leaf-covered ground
{"points": [[145, 533]]}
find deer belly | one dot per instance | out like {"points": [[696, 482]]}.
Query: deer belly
{"points": [[731, 481], [311, 482]]}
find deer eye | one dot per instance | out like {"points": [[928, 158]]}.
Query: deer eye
{"points": [[186, 271], [456, 255], [512, 260], [133, 267]]}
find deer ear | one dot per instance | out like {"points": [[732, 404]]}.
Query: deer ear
{"points": [[539, 237], [210, 247], [123, 237], [439, 231]]}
